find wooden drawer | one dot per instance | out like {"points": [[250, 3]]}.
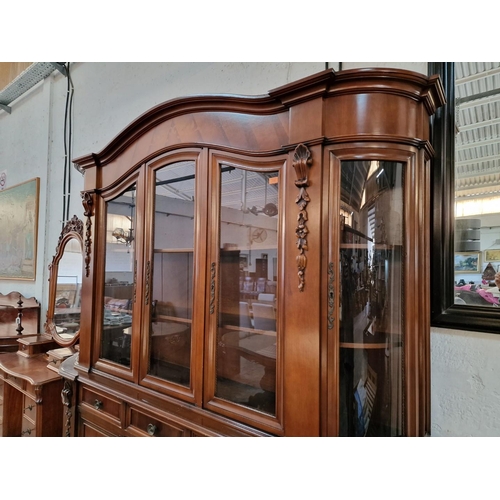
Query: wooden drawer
{"points": [[101, 403], [29, 408], [143, 424], [15, 381], [89, 430]]}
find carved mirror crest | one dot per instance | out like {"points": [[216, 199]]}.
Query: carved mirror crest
{"points": [[65, 285]]}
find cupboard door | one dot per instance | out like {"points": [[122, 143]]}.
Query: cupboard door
{"points": [[372, 239], [171, 311], [120, 275], [244, 297]]}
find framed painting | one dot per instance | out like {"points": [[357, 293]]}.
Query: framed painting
{"points": [[243, 261], [19, 229], [467, 262], [492, 255]]}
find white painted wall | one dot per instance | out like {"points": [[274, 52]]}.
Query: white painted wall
{"points": [[108, 96]]}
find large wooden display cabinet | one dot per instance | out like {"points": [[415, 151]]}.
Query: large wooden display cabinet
{"points": [[275, 256]]}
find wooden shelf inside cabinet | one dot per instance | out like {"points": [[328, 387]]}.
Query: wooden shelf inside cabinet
{"points": [[174, 319], [364, 246], [173, 250], [361, 345]]}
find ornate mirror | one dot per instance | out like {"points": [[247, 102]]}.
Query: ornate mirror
{"points": [[65, 285]]}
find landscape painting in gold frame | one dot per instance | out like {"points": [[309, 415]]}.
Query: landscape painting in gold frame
{"points": [[467, 262], [492, 255], [19, 230]]}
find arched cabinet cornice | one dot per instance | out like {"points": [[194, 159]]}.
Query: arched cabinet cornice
{"points": [[343, 98]]}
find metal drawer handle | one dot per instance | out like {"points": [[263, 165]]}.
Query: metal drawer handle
{"points": [[151, 429], [27, 431], [98, 404]]}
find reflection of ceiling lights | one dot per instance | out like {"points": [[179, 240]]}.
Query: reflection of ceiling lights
{"points": [[122, 237]]}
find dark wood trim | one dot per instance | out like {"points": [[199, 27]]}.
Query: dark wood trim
{"points": [[444, 313]]}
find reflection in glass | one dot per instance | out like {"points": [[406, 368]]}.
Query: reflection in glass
{"points": [[119, 278], [371, 336], [477, 184], [170, 339], [68, 291], [248, 261]]}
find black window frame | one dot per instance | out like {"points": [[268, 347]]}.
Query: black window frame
{"points": [[444, 312]]}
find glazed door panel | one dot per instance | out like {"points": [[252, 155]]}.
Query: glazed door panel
{"points": [[120, 277], [245, 307], [371, 301], [173, 314]]}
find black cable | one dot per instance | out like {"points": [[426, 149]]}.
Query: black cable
{"points": [[68, 113], [65, 176], [68, 196]]}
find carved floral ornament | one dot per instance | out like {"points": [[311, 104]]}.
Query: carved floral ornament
{"points": [[88, 206], [74, 225], [302, 161]]}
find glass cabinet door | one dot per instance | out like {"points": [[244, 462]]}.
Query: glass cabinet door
{"points": [[247, 292], [119, 261], [172, 273], [371, 302]]}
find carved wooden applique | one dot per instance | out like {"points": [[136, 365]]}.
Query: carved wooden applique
{"points": [[212, 288], [66, 395], [331, 295], [88, 205], [302, 161]]}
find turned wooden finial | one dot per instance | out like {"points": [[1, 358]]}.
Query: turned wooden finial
{"points": [[20, 327]]}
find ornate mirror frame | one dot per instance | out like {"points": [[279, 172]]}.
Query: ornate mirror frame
{"points": [[72, 230]]}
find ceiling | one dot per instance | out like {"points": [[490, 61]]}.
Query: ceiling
{"points": [[477, 141]]}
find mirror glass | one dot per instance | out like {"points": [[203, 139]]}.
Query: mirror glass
{"points": [[66, 271], [477, 184]]}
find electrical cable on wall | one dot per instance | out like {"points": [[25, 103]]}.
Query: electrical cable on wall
{"points": [[68, 119]]}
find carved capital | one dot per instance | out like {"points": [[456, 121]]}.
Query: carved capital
{"points": [[302, 161]]}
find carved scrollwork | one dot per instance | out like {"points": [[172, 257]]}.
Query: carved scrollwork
{"points": [[212, 288], [148, 282], [88, 206], [302, 161], [331, 296], [74, 225], [66, 396]]}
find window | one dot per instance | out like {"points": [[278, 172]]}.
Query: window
{"points": [[466, 197]]}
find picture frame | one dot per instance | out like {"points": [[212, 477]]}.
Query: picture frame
{"points": [[243, 261], [19, 228], [467, 262], [492, 255]]}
